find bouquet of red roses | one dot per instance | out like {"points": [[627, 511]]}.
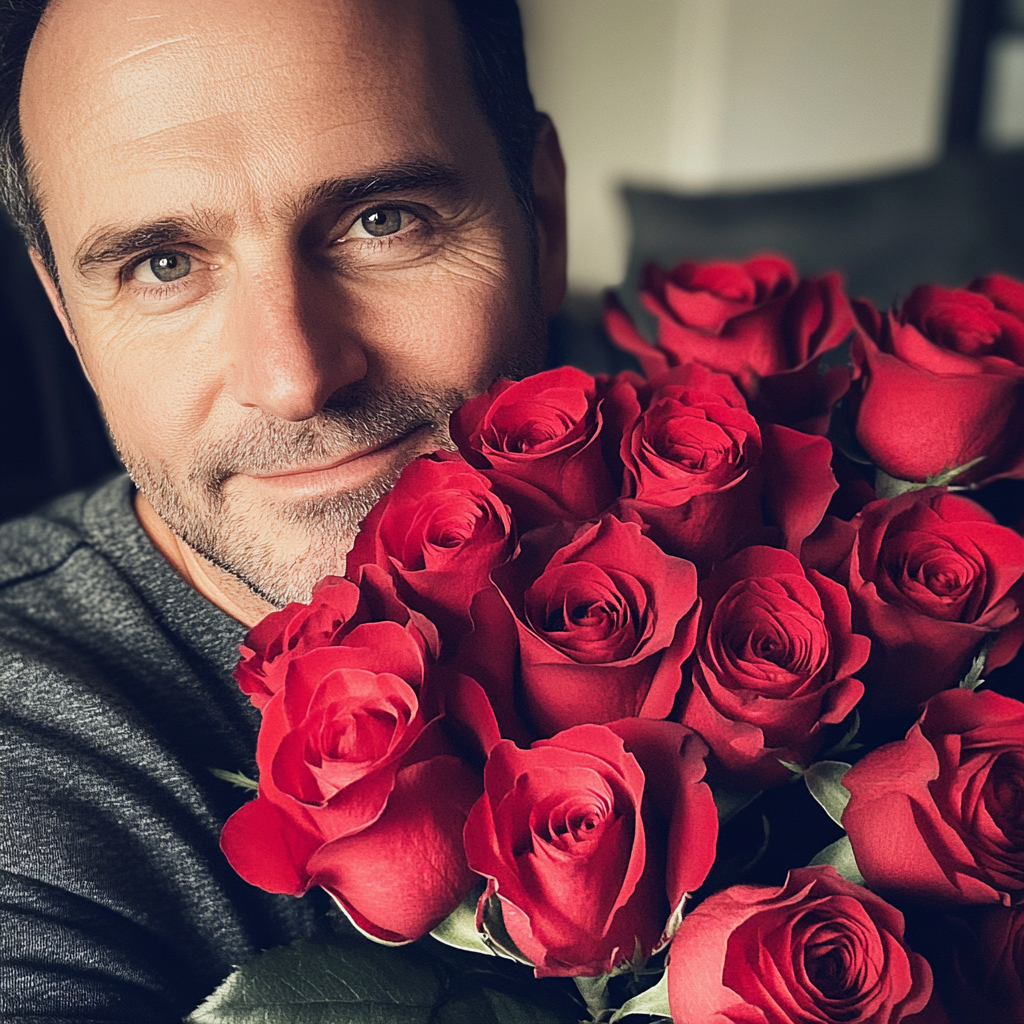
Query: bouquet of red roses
{"points": [[632, 611]]}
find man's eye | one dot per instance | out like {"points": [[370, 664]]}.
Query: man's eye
{"points": [[163, 267], [378, 222]]}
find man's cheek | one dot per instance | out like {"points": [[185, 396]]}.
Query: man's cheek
{"points": [[445, 329]]}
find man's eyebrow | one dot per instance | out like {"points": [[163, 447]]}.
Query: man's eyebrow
{"points": [[418, 176], [117, 243]]}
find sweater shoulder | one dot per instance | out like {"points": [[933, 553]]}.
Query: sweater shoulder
{"points": [[37, 544]]}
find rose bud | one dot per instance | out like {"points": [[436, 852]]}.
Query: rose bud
{"points": [[605, 621], [539, 441], [937, 817], [932, 578], [590, 840], [942, 383], [753, 320], [703, 476], [818, 948], [774, 664], [350, 760], [438, 533]]}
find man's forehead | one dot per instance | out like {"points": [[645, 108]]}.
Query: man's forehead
{"points": [[112, 83]]}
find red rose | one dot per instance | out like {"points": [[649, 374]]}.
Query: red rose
{"points": [[942, 383], [590, 839], [400, 878], [349, 759], [706, 296], [540, 443], [774, 664], [932, 577], [605, 620], [1005, 293], [335, 609], [692, 435], [438, 533], [291, 632], [985, 979], [754, 321], [704, 478], [818, 948], [937, 817]]}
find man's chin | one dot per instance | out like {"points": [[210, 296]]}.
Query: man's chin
{"points": [[281, 552], [285, 568], [281, 533]]}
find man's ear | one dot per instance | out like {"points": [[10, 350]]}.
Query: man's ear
{"points": [[57, 302], [549, 210]]}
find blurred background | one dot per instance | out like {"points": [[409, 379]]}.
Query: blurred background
{"points": [[883, 138]]}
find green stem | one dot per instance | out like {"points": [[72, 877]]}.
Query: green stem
{"points": [[595, 994]]}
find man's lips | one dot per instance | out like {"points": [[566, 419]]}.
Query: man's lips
{"points": [[342, 474]]}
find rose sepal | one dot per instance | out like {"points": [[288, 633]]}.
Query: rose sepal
{"points": [[652, 1001], [459, 928], [490, 925], [840, 856], [824, 780]]}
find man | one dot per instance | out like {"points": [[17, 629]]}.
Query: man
{"points": [[285, 238]]}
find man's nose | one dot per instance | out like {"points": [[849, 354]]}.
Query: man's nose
{"points": [[292, 350]]}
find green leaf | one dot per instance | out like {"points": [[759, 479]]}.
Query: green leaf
{"points": [[235, 778], [796, 769], [515, 1011], [484, 1005], [347, 980], [652, 1001], [458, 929], [825, 781], [840, 855], [973, 679]]}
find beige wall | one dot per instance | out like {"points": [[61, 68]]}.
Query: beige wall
{"points": [[705, 94]]}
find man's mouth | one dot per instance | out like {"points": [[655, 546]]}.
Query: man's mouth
{"points": [[342, 474]]}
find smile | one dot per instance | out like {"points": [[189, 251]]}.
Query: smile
{"points": [[343, 474]]}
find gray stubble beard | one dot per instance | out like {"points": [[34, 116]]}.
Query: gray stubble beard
{"points": [[361, 417], [206, 519]]}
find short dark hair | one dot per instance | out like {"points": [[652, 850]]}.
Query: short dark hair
{"points": [[492, 36]]}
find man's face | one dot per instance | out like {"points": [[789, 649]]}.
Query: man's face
{"points": [[287, 248]]}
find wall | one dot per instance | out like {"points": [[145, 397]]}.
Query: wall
{"points": [[698, 95]]}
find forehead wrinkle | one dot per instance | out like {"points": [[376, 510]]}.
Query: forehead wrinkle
{"points": [[240, 121], [219, 122], [144, 49], [213, 81], [221, 58]]}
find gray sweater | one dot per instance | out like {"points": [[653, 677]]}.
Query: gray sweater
{"points": [[116, 697]]}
